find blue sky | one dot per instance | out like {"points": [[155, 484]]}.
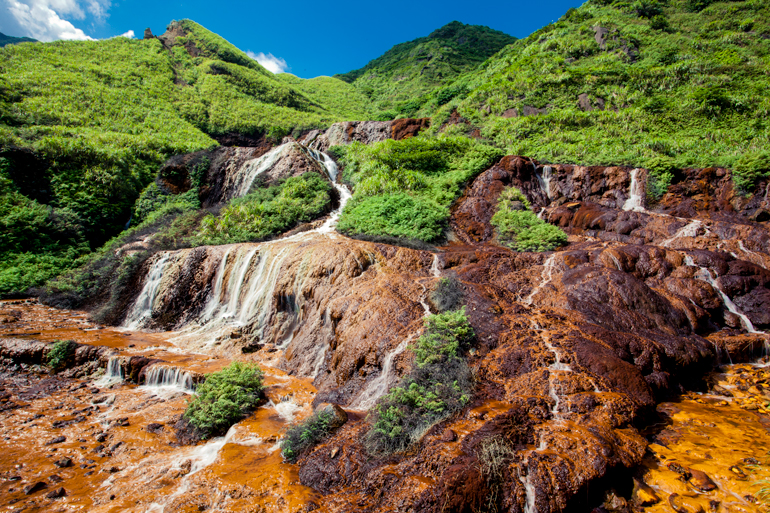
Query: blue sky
{"points": [[305, 38]]}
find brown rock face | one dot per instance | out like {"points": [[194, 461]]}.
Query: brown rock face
{"points": [[407, 127], [573, 348]]}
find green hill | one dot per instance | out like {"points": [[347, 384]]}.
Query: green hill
{"points": [[657, 84], [84, 126], [10, 40], [409, 70]]}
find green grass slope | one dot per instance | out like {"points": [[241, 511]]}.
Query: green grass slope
{"points": [[656, 84], [84, 126], [396, 80], [11, 40]]}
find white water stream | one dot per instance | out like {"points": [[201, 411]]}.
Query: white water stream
{"points": [[163, 380], [544, 179], [142, 308], [545, 278], [636, 193], [114, 372], [704, 274]]}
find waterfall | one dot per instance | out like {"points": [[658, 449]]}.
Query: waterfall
{"points": [[162, 378], [246, 175], [380, 385], [544, 179], [434, 270], [141, 311], [636, 194], [704, 274], [545, 278], [333, 171], [689, 230], [114, 373]]}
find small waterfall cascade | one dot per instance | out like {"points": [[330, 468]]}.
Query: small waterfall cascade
{"points": [[332, 171], [553, 369], [160, 378], [636, 194], [690, 230], [114, 373], [546, 277], [141, 311], [380, 385], [704, 274], [244, 178], [434, 270], [544, 179]]}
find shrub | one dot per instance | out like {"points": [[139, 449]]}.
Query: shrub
{"points": [[447, 295], [307, 434], [438, 385], [659, 22], [266, 212], [521, 229], [494, 455], [61, 353], [750, 168], [225, 398]]}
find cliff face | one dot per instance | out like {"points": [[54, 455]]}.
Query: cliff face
{"points": [[573, 348]]}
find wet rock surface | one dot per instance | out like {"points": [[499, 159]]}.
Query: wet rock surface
{"points": [[575, 350]]}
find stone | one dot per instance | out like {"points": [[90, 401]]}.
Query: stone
{"points": [[701, 480], [57, 440], [448, 436], [643, 495], [35, 487], [55, 494], [154, 427], [148, 34], [64, 462], [338, 416]]}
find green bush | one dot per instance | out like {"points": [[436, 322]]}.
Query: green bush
{"points": [[307, 434], [750, 168], [268, 211], [447, 294], [438, 385], [225, 398], [521, 229], [405, 188], [60, 354]]}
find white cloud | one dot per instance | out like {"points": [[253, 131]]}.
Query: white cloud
{"points": [[45, 19], [40, 21], [270, 62], [130, 34]]}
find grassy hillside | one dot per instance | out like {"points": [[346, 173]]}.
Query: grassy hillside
{"points": [[84, 126], [396, 80], [657, 84], [10, 40]]}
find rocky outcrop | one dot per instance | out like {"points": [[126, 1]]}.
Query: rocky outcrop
{"points": [[573, 348], [366, 132]]}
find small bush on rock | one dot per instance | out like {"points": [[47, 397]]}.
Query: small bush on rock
{"points": [[306, 434], [60, 355], [520, 229], [447, 295], [438, 385], [224, 398]]}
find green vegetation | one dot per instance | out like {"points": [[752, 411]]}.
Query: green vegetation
{"points": [[268, 211], [225, 398], [60, 354], [447, 295], [749, 169], [307, 434], [10, 40], [519, 228], [403, 189], [438, 385], [412, 74], [84, 126], [683, 80]]}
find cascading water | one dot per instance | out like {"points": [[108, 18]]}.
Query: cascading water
{"points": [[545, 278], [690, 230], [161, 378], [114, 373], [434, 270], [244, 179], [704, 274], [544, 179], [636, 194], [380, 385], [141, 311]]}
